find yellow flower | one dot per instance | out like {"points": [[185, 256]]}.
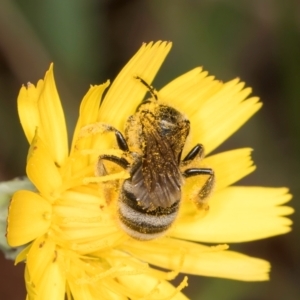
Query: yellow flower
{"points": [[74, 242]]}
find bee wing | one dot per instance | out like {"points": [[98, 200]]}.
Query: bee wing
{"points": [[157, 181]]}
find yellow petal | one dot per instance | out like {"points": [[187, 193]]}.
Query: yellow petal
{"points": [[85, 280], [45, 273], [88, 114], [197, 259], [96, 291], [23, 254], [239, 214], [52, 128], [85, 222], [209, 103], [42, 170], [189, 91], [28, 109], [29, 217], [126, 92], [148, 287], [207, 127], [89, 108], [230, 166], [88, 280]]}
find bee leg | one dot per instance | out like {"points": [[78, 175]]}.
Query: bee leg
{"points": [[208, 186], [109, 187], [121, 141], [120, 161], [102, 128], [198, 150], [119, 138]]}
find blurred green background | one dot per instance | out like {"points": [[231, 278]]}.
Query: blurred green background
{"points": [[89, 41]]}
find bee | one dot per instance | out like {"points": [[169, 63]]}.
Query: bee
{"points": [[150, 199]]}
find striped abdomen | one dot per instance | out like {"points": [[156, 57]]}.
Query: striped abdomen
{"points": [[140, 223]]}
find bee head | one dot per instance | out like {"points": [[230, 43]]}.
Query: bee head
{"points": [[171, 122]]}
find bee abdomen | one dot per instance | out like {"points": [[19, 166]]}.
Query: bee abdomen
{"points": [[144, 224]]}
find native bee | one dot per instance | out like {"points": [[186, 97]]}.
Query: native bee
{"points": [[152, 145]]}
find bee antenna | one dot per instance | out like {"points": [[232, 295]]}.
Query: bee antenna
{"points": [[152, 91]]}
